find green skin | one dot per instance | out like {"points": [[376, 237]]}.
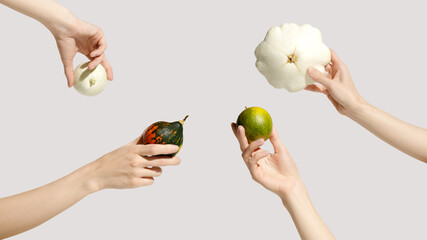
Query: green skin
{"points": [[257, 123]]}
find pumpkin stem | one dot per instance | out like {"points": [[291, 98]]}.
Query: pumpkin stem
{"points": [[185, 118]]}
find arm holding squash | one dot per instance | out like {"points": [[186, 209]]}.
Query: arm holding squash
{"points": [[338, 86], [125, 167], [278, 173], [72, 35]]}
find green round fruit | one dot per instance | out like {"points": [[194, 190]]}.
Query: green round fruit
{"points": [[257, 123]]}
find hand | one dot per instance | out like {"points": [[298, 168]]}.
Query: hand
{"points": [[275, 171], [131, 166], [337, 85], [85, 38]]}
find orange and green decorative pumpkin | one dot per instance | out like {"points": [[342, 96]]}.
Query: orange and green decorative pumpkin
{"points": [[164, 133], [257, 123]]}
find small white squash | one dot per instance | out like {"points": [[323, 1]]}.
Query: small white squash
{"points": [[90, 82], [286, 53]]}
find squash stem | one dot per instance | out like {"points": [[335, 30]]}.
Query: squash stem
{"points": [[185, 118]]}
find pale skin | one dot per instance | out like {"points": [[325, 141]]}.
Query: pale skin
{"points": [[278, 173], [130, 166], [72, 35], [338, 86]]}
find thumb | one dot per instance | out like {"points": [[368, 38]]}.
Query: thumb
{"points": [[136, 140], [319, 77]]}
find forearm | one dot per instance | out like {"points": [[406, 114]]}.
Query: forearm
{"points": [[54, 16], [27, 210], [306, 219], [407, 138]]}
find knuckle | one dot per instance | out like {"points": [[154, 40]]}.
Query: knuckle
{"points": [[133, 172], [162, 162], [134, 161], [133, 182], [149, 182], [132, 148], [148, 150], [155, 149]]}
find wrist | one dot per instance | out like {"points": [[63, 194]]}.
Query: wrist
{"points": [[296, 196], [89, 181], [356, 108], [59, 23]]}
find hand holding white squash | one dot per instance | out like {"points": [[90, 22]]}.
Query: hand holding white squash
{"points": [[286, 53], [90, 82]]}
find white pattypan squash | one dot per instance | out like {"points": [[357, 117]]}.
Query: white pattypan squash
{"points": [[90, 82], [286, 53]]}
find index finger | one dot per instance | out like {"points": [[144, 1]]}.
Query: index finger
{"points": [[155, 149]]}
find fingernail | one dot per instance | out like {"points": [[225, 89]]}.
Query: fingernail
{"points": [[175, 148], [311, 71]]}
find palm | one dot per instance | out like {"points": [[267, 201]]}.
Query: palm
{"points": [[84, 42], [276, 172], [337, 85]]}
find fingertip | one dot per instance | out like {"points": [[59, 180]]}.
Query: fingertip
{"points": [[240, 129], [312, 72], [174, 148], [110, 74], [259, 142]]}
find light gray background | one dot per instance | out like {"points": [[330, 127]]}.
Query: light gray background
{"points": [[173, 58]]}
